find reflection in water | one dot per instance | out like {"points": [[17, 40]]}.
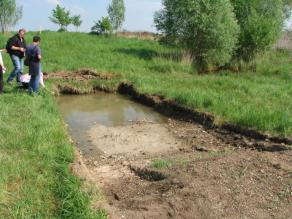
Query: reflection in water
{"points": [[82, 112]]}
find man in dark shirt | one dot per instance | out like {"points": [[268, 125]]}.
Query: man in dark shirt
{"points": [[16, 49]]}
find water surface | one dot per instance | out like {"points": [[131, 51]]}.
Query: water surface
{"points": [[81, 112]]}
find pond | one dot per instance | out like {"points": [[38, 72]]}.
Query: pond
{"points": [[82, 112]]}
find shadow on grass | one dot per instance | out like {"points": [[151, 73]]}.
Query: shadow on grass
{"points": [[11, 89], [146, 54], [149, 54]]}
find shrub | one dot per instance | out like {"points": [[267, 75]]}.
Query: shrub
{"points": [[260, 23], [207, 28]]}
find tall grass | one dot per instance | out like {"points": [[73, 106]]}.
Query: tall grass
{"points": [[35, 180]]}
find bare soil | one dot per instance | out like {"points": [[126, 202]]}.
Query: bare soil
{"points": [[212, 174], [215, 172], [135, 139]]}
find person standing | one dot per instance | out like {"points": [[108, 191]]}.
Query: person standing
{"points": [[33, 53], [16, 47]]}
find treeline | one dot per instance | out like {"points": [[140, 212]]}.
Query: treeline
{"points": [[106, 25], [11, 13], [222, 33]]}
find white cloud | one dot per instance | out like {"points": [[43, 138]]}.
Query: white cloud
{"points": [[54, 2], [76, 9]]}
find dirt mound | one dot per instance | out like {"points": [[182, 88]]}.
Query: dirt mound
{"points": [[81, 75]]}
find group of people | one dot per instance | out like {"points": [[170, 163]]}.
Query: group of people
{"points": [[19, 53]]}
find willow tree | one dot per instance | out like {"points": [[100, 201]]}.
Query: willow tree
{"points": [[206, 28], [287, 8], [116, 13], [261, 22]]}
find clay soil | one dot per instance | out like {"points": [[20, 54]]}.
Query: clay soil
{"points": [[209, 174]]}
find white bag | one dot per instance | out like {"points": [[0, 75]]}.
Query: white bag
{"points": [[2, 63]]}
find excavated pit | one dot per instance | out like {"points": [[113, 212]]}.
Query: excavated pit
{"points": [[215, 173]]}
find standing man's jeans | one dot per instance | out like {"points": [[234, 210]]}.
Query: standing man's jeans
{"points": [[34, 82], [18, 68]]}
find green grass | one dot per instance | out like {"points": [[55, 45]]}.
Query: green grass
{"points": [[162, 164], [35, 154], [35, 179], [259, 100], [166, 163]]}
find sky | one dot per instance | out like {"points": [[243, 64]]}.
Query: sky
{"points": [[36, 13]]}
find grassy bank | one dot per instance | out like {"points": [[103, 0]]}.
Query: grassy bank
{"points": [[35, 181], [260, 100]]}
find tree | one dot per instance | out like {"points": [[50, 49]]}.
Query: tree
{"points": [[261, 22], [116, 12], [61, 17], [103, 26], [287, 9], [206, 28], [10, 14], [76, 21]]}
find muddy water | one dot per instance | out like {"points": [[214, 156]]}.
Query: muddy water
{"points": [[83, 112]]}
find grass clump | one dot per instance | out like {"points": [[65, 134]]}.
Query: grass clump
{"points": [[161, 164]]}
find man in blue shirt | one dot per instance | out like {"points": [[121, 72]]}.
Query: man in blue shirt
{"points": [[33, 53]]}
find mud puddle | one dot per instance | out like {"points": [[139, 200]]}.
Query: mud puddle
{"points": [[153, 167], [100, 113]]}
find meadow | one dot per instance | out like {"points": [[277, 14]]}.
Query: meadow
{"points": [[259, 100], [35, 151]]}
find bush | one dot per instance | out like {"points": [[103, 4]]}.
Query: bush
{"points": [[260, 23], [207, 28]]}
